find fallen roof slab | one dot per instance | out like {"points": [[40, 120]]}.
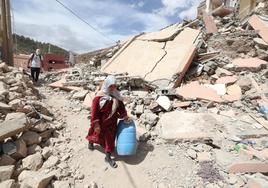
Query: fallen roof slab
{"points": [[259, 24], [249, 167], [162, 35], [154, 60]]}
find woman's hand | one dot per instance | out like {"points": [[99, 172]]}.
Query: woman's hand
{"points": [[127, 119]]}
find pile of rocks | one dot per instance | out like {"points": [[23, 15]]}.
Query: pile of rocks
{"points": [[26, 129]]}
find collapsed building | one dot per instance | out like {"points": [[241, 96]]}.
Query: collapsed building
{"points": [[202, 83]]}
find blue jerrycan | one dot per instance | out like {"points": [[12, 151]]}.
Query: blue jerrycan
{"points": [[126, 143]]}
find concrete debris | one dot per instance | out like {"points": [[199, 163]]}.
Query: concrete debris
{"points": [[35, 179], [33, 162], [80, 95], [14, 123], [31, 138], [164, 102], [201, 84], [6, 172], [9, 184], [251, 64]]}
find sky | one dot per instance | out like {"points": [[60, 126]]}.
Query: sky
{"points": [[48, 21]]}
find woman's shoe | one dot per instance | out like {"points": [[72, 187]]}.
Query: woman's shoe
{"points": [[111, 162], [90, 146]]}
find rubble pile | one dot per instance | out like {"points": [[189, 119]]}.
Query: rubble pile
{"points": [[204, 87], [27, 128]]}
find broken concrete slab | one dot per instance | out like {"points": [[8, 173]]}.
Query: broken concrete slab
{"points": [[162, 35], [135, 54], [227, 80], [209, 23], [178, 125], [60, 84], [251, 64], [6, 172], [179, 55], [13, 124], [194, 90], [164, 102], [260, 25], [80, 94], [248, 167], [219, 88], [182, 104], [35, 179], [156, 61]]}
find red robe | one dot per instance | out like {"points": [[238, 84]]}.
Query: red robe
{"points": [[108, 126]]}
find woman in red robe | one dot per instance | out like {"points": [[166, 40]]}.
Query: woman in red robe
{"points": [[107, 107]]}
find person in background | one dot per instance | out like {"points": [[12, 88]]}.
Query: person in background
{"points": [[107, 108], [36, 61]]}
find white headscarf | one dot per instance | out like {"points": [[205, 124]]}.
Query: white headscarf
{"points": [[110, 80]]}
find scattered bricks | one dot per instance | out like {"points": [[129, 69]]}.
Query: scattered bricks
{"points": [[6, 172], [249, 167], [250, 64]]}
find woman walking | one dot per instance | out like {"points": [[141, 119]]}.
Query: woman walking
{"points": [[107, 107]]}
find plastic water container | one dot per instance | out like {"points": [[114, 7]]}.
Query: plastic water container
{"points": [[126, 138]]}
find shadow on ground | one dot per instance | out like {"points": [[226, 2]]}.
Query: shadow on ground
{"points": [[142, 151]]}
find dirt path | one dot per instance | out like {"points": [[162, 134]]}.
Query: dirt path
{"points": [[153, 165]]}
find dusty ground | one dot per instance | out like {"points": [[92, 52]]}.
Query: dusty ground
{"points": [[155, 165]]}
